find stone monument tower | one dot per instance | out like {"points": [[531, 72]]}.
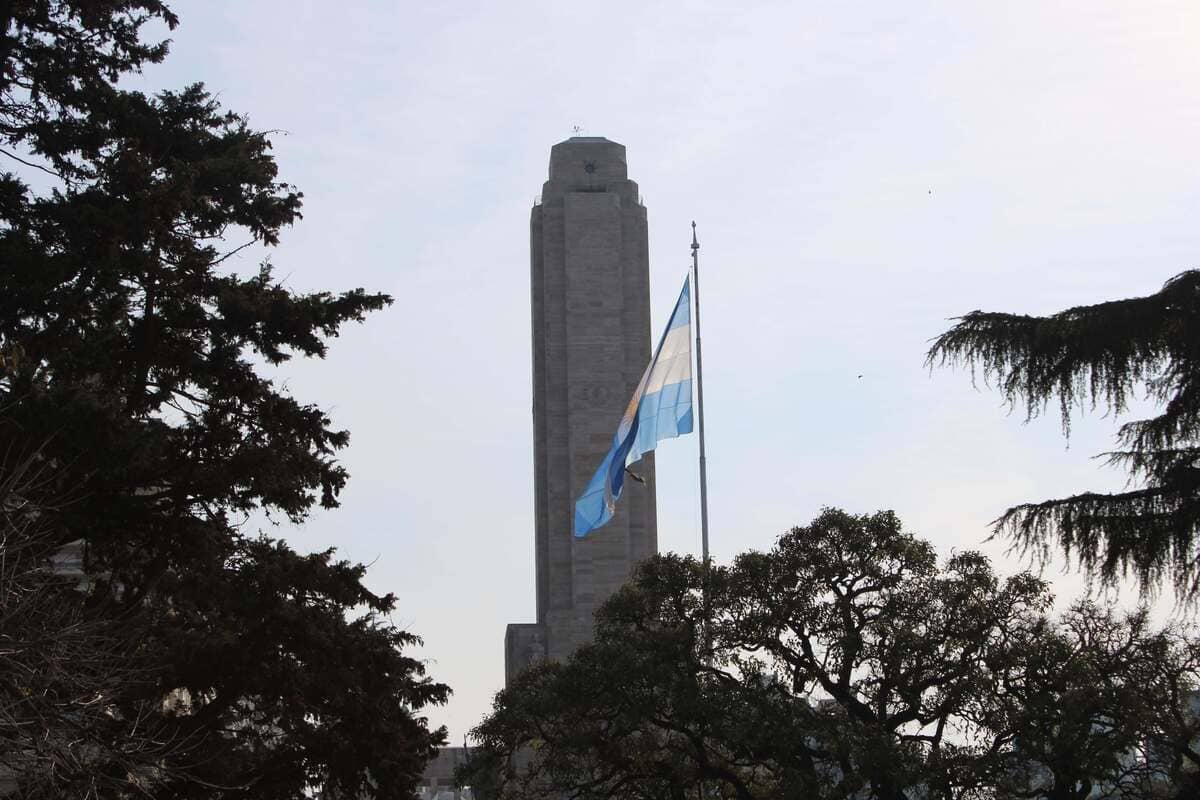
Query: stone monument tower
{"points": [[589, 274]]}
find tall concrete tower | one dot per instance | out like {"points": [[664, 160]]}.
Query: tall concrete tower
{"points": [[589, 274]]}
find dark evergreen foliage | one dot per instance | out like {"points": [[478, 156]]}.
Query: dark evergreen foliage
{"points": [[78, 715], [129, 348], [847, 664], [1103, 355]]}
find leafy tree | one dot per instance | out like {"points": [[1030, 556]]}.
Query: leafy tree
{"points": [[1167, 682], [1079, 709], [844, 663], [133, 351], [1105, 355]]}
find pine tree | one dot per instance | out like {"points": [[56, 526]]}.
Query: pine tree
{"points": [[1103, 356], [129, 357]]}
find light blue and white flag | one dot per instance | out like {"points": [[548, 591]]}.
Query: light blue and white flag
{"points": [[661, 408]]}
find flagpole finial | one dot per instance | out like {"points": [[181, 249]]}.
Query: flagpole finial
{"points": [[695, 244]]}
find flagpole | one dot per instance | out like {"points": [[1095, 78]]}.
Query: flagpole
{"points": [[700, 401], [705, 599]]}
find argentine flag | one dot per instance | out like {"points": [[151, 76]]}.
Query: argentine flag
{"points": [[661, 408]]}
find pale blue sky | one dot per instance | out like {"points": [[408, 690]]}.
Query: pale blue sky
{"points": [[859, 172]]}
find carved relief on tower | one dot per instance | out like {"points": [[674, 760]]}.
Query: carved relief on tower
{"points": [[524, 645], [595, 394]]}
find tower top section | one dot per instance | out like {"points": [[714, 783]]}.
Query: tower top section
{"points": [[570, 160], [588, 164]]}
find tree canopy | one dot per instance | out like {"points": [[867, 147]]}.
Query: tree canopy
{"points": [[847, 662], [1105, 355], [131, 361]]}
